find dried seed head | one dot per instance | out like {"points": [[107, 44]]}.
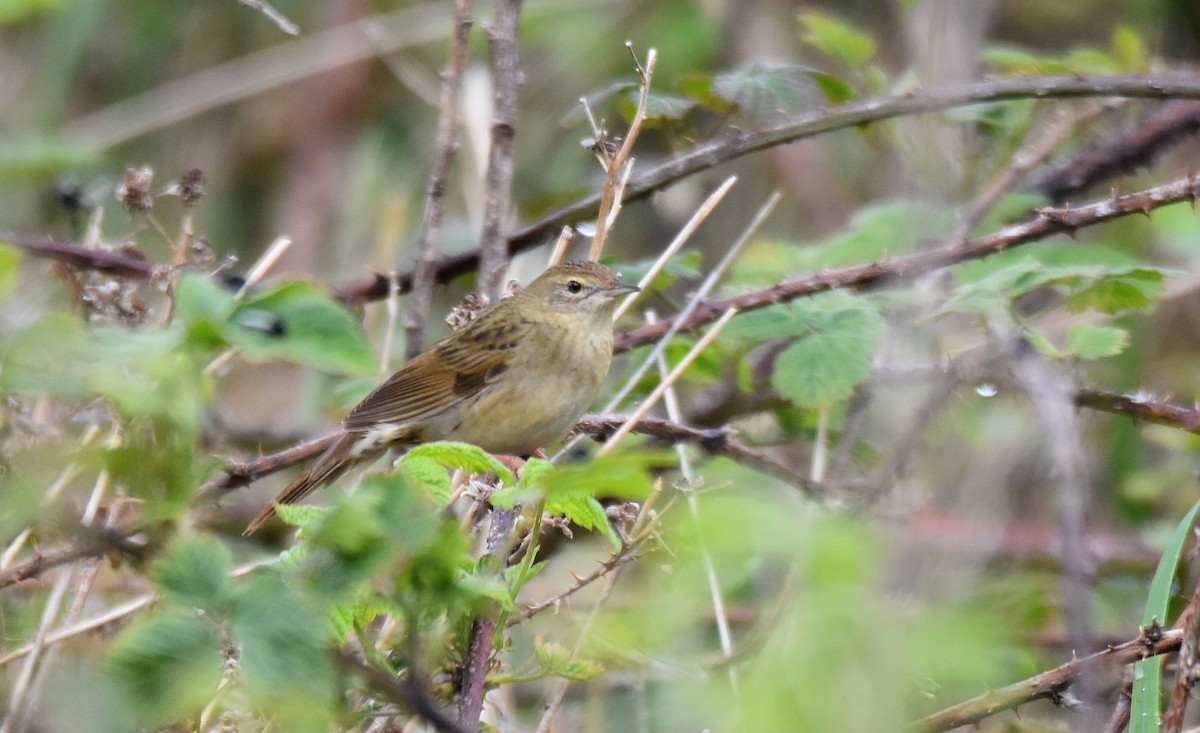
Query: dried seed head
{"points": [[134, 191], [189, 188], [467, 310], [200, 253]]}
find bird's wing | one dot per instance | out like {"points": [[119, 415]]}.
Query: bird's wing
{"points": [[451, 371]]}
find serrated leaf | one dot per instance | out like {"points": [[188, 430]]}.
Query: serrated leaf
{"points": [[168, 666], [469, 458], [582, 670], [303, 516], [1095, 342], [512, 572], [768, 91], [195, 573], [300, 323], [837, 335], [660, 108], [837, 38], [428, 474], [552, 656], [358, 613], [284, 661]]}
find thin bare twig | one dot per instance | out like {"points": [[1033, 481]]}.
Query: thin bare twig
{"points": [[1046, 222], [721, 150], [671, 402], [503, 33], [667, 381], [1170, 124], [445, 144], [1051, 684], [280, 20], [619, 166]]}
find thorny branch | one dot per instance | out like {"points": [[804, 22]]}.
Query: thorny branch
{"points": [[1049, 685], [726, 148], [93, 543], [1045, 223]]}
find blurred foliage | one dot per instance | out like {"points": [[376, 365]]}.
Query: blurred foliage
{"points": [[930, 571]]}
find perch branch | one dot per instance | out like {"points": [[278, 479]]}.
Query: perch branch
{"points": [[1051, 684]]}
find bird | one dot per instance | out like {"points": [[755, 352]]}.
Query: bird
{"points": [[513, 380]]}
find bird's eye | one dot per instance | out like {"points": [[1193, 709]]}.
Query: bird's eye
{"points": [[574, 286]]}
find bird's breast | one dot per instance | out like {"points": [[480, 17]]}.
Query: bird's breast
{"points": [[554, 376]]}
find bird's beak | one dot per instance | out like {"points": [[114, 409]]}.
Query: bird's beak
{"points": [[621, 288]]}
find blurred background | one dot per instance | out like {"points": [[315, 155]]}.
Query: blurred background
{"points": [[326, 137]]}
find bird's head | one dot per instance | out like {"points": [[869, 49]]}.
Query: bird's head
{"points": [[579, 288]]}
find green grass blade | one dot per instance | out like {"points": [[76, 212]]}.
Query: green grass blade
{"points": [[1147, 674]]}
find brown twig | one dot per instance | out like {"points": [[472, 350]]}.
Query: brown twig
{"points": [[92, 543], [1141, 407], [615, 166], [409, 692], [1045, 223], [715, 152], [444, 146], [243, 473], [506, 76], [1049, 685], [47, 247], [718, 441], [1168, 125], [1188, 671]]}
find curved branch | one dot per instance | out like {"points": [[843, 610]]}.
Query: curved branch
{"points": [[49, 248], [1046, 222], [712, 153], [1050, 684]]}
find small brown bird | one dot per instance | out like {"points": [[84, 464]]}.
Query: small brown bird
{"points": [[513, 380]]}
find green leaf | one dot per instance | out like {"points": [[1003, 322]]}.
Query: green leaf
{"points": [[285, 665], [303, 516], [766, 91], [300, 323], [877, 231], [837, 38], [360, 612], [195, 573], [469, 458], [200, 299], [836, 90], [168, 666], [660, 108], [10, 258], [428, 474], [1147, 673], [571, 490], [12, 11], [837, 334], [33, 156], [1095, 342]]}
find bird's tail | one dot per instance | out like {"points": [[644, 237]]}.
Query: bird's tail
{"points": [[336, 460]]}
